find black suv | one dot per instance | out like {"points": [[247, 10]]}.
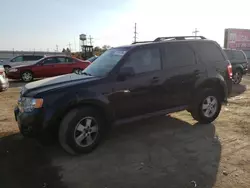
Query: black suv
{"points": [[239, 62], [125, 84]]}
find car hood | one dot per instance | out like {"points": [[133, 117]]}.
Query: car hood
{"points": [[56, 82]]}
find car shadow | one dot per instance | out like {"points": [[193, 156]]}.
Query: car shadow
{"points": [[238, 89], [157, 152]]}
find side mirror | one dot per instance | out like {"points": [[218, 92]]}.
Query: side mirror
{"points": [[125, 72]]}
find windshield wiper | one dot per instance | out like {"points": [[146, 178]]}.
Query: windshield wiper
{"points": [[85, 73]]}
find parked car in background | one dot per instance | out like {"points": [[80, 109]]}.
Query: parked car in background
{"points": [[47, 67], [4, 83], [92, 58], [124, 84], [239, 63], [20, 60], [247, 52]]}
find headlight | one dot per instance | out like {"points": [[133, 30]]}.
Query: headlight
{"points": [[13, 70], [26, 104]]}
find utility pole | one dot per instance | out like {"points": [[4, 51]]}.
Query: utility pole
{"points": [[69, 46], [135, 33], [57, 48], [90, 40], [195, 32]]}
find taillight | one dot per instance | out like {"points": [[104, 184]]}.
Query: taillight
{"points": [[230, 71]]}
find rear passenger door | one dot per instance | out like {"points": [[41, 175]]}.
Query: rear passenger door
{"points": [[181, 72]]}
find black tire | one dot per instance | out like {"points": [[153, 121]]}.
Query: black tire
{"points": [[6, 68], [77, 71], [68, 130], [25, 77], [237, 76], [197, 110]]}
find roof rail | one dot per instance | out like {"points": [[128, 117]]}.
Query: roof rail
{"points": [[142, 42], [178, 38]]}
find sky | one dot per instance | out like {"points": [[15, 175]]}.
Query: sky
{"points": [[45, 24]]}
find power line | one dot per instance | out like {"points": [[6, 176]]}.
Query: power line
{"points": [[135, 33]]}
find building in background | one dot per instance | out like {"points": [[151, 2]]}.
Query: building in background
{"points": [[237, 39]]}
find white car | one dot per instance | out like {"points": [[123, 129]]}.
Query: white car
{"points": [[4, 82]]}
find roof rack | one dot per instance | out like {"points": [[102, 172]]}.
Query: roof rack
{"points": [[178, 38], [142, 42]]}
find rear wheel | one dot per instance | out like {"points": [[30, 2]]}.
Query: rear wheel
{"points": [[237, 76], [207, 106], [27, 76], [81, 130]]}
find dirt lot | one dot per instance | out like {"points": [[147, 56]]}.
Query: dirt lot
{"points": [[172, 152]]}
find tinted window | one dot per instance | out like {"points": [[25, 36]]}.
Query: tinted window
{"points": [[238, 55], [247, 54], [50, 60], [31, 58], [178, 55], [144, 60], [209, 52], [229, 54]]}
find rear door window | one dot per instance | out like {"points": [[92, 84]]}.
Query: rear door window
{"points": [[209, 52], [178, 55]]}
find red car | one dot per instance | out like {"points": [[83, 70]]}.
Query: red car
{"points": [[47, 67]]}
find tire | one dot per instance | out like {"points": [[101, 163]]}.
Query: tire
{"points": [[237, 76], [77, 71], [198, 111], [6, 68], [27, 76], [75, 127]]}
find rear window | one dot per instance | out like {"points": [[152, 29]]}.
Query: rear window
{"points": [[247, 54], [209, 52], [235, 55], [238, 55]]}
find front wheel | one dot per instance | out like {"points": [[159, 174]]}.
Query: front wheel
{"points": [[27, 76], [207, 106], [237, 77], [81, 130]]}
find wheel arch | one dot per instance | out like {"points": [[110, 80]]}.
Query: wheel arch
{"points": [[213, 83]]}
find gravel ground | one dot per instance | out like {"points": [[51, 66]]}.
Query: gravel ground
{"points": [[171, 151]]}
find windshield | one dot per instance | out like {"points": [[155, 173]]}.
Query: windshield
{"points": [[106, 62]]}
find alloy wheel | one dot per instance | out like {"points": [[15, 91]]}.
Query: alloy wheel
{"points": [[27, 76], [209, 106], [86, 132]]}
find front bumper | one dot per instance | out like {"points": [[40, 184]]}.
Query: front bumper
{"points": [[13, 75], [30, 123]]}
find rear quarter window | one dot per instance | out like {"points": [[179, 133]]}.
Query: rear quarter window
{"points": [[209, 52]]}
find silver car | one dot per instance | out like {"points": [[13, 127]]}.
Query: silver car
{"points": [[4, 83], [19, 60]]}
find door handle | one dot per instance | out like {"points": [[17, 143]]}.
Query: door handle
{"points": [[155, 79]]}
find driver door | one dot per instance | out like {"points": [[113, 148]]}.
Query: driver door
{"points": [[47, 68], [138, 94]]}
